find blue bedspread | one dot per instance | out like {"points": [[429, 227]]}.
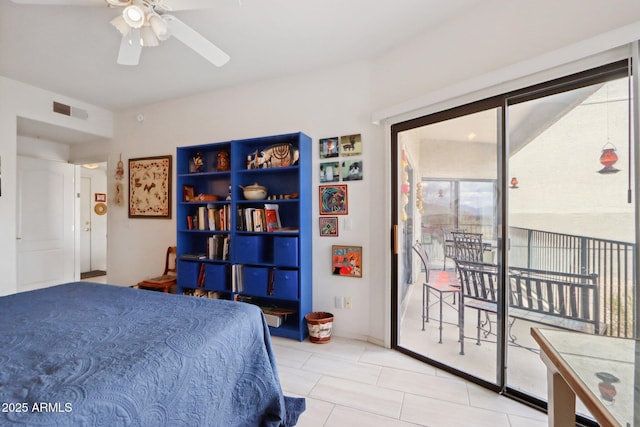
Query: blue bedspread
{"points": [[85, 354]]}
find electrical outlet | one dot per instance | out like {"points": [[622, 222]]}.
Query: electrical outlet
{"points": [[347, 302], [339, 302]]}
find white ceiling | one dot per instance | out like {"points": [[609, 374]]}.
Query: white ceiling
{"points": [[72, 50]]}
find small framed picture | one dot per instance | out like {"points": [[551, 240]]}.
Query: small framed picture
{"points": [[346, 261], [351, 145], [351, 170], [329, 147], [329, 226], [333, 199], [330, 172], [100, 197], [188, 193]]}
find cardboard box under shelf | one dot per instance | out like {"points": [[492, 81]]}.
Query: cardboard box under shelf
{"points": [[273, 320]]}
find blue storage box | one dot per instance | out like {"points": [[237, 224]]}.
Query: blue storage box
{"points": [[285, 284], [188, 273], [285, 251], [215, 277], [248, 249], [255, 280]]}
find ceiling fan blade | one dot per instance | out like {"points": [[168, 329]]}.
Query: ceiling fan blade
{"points": [[130, 48], [62, 2], [189, 4], [196, 41]]}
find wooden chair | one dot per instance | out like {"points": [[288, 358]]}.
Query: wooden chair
{"points": [[167, 279]]}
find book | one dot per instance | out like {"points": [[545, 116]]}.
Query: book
{"points": [[202, 215], [258, 222], [211, 216], [201, 276], [248, 219], [271, 217], [225, 248], [237, 280], [272, 214]]}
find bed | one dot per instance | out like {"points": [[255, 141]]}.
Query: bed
{"points": [[88, 354]]}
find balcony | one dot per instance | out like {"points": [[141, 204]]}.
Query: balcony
{"points": [[611, 260]]}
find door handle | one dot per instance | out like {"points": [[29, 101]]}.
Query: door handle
{"points": [[394, 239]]}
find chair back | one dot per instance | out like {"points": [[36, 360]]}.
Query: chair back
{"points": [[468, 246], [170, 262], [422, 253]]}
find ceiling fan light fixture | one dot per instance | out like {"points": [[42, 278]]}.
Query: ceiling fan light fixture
{"points": [[133, 15], [148, 37], [121, 25], [159, 26]]}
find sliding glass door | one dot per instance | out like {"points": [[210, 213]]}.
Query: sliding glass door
{"points": [[454, 166], [539, 181], [571, 221]]}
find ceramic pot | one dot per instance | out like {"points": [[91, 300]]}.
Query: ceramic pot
{"points": [[254, 192]]}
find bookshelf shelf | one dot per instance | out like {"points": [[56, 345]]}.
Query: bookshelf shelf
{"points": [[254, 251]]}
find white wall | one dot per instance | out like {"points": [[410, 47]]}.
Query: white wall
{"points": [[323, 103], [489, 46]]}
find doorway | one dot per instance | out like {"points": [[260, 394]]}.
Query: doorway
{"points": [[93, 220]]}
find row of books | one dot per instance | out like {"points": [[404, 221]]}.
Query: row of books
{"points": [[218, 247], [259, 219], [210, 218], [237, 277], [238, 280]]}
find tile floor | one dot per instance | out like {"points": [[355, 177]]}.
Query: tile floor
{"points": [[349, 382]]}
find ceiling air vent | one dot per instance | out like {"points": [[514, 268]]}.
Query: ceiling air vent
{"points": [[70, 111]]}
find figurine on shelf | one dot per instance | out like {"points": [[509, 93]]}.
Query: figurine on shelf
{"points": [[223, 161], [198, 163]]}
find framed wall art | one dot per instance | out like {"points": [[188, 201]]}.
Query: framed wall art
{"points": [[330, 172], [351, 145], [329, 147], [346, 261], [333, 199], [100, 197], [351, 170], [150, 187], [329, 226]]}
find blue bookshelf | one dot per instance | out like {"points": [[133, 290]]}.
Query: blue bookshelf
{"points": [[233, 248]]}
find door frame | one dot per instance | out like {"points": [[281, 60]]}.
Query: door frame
{"points": [[584, 78]]}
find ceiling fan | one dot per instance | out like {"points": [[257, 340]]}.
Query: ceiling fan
{"points": [[144, 23]]}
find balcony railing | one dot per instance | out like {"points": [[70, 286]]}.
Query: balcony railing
{"points": [[612, 261]]}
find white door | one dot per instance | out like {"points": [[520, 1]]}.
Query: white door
{"points": [[85, 224], [45, 235]]}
